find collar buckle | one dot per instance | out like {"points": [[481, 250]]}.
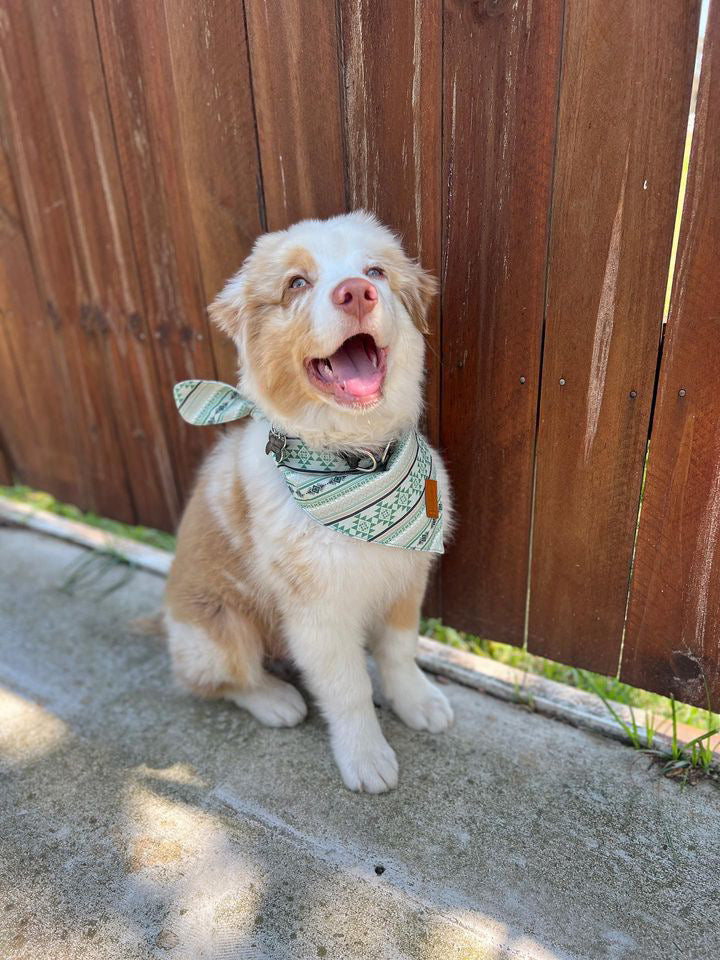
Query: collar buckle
{"points": [[368, 463], [276, 445], [365, 461]]}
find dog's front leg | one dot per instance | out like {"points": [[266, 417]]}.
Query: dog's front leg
{"points": [[330, 652], [414, 698]]}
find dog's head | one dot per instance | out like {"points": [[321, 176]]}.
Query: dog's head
{"points": [[328, 317]]}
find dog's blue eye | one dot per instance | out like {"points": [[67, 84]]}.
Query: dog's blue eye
{"points": [[375, 273], [298, 282]]}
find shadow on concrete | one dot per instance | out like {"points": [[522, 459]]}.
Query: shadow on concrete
{"points": [[137, 822]]}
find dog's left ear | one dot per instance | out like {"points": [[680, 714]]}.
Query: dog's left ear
{"points": [[226, 310], [416, 288], [418, 296], [239, 297]]}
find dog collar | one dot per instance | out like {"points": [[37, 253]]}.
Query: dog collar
{"points": [[293, 452], [390, 498]]}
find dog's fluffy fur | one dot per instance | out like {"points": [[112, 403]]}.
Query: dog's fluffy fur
{"points": [[253, 575]]}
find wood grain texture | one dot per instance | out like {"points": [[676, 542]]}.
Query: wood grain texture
{"points": [[394, 141], [71, 69], [296, 83], [392, 84], [37, 429], [6, 473], [213, 94], [501, 73], [38, 157], [673, 633], [138, 69], [627, 76]]}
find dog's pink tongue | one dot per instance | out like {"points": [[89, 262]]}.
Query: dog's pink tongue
{"points": [[354, 369]]}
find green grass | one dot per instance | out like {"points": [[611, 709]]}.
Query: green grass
{"points": [[97, 573], [45, 501], [683, 760], [607, 688]]}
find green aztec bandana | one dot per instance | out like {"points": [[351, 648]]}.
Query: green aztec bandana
{"points": [[391, 499]]}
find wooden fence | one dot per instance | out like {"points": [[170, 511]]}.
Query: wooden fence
{"points": [[530, 153]]}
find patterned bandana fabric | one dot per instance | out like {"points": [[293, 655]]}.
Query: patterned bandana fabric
{"points": [[390, 500], [209, 402]]}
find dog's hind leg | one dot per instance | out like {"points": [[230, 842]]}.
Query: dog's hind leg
{"points": [[221, 656]]}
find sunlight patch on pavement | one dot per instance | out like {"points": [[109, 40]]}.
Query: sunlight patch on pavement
{"points": [[27, 730]]}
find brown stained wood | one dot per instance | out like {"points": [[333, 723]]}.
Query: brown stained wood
{"points": [[393, 117], [672, 642], [6, 474], [500, 93], [138, 69], [296, 83], [394, 147], [71, 333], [36, 428], [72, 75], [217, 134], [12, 398], [627, 75]]}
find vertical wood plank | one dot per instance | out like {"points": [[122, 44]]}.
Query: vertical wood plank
{"points": [[6, 476], [392, 84], [138, 68], [296, 83], [627, 77], [393, 116], [672, 641], [37, 430], [501, 69], [11, 397], [213, 93], [37, 155], [71, 70]]}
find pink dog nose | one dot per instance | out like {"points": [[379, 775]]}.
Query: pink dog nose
{"points": [[355, 296]]}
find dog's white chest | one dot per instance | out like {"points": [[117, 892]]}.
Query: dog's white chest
{"points": [[286, 539]]}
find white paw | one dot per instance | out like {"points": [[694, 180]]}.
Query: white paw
{"points": [[369, 766], [275, 703], [420, 704]]}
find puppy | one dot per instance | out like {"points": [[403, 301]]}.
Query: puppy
{"points": [[328, 318]]}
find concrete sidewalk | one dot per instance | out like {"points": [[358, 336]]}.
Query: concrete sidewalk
{"points": [[136, 822]]}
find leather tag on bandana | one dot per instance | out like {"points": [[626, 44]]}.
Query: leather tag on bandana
{"points": [[431, 499]]}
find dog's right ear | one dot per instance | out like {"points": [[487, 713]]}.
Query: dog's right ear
{"points": [[226, 310]]}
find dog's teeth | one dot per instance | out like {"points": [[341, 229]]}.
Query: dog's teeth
{"points": [[373, 359]]}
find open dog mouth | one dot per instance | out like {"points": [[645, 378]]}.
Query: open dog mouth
{"points": [[354, 374]]}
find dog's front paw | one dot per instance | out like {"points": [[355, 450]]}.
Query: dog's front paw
{"points": [[370, 766], [420, 704]]}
